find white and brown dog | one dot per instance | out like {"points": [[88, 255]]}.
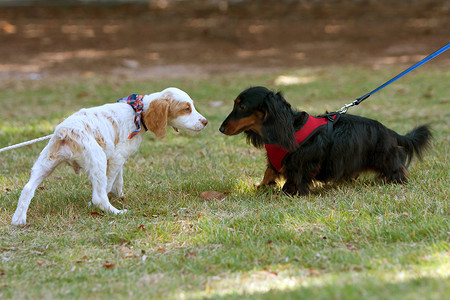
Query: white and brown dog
{"points": [[98, 140]]}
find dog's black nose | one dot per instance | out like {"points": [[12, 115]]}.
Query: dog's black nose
{"points": [[222, 129]]}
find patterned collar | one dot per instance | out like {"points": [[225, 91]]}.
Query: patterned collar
{"points": [[135, 101]]}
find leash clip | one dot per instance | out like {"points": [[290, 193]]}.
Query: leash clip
{"points": [[357, 101], [344, 108]]}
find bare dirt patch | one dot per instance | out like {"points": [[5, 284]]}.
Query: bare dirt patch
{"points": [[190, 39]]}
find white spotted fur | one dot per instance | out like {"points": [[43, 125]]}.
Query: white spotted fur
{"points": [[96, 140]]}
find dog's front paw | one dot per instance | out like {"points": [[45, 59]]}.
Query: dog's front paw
{"points": [[289, 191], [19, 220], [116, 211], [292, 190], [263, 185]]}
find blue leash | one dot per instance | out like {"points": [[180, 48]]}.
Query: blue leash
{"points": [[344, 109]]}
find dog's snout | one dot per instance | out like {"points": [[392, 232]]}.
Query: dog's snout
{"points": [[204, 121], [223, 126]]}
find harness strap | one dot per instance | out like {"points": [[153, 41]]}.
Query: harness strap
{"points": [[276, 153], [332, 118]]}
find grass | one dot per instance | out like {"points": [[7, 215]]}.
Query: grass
{"points": [[354, 240]]}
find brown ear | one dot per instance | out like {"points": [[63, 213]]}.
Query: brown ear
{"points": [[155, 117]]}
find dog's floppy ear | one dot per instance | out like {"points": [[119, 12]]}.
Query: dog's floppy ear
{"points": [[155, 117], [278, 126]]}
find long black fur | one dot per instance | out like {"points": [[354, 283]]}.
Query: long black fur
{"points": [[355, 145]]}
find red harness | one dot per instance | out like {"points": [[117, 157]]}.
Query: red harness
{"points": [[276, 153]]}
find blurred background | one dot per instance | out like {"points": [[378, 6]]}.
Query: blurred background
{"points": [[177, 38]]}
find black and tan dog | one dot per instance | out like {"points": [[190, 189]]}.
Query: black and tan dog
{"points": [[302, 148]]}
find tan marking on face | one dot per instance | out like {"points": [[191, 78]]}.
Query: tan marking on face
{"points": [[178, 109], [237, 100], [252, 122]]}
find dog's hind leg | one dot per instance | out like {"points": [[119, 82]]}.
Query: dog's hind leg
{"points": [[95, 163], [397, 174], [392, 167], [42, 168], [115, 178]]}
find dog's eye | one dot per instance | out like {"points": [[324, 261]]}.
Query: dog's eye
{"points": [[242, 106], [187, 109]]}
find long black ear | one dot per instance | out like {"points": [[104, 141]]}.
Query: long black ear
{"points": [[278, 127], [255, 139]]}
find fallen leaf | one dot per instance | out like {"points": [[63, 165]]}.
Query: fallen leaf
{"points": [[125, 243], [314, 271], [141, 227], [161, 249], [9, 248], [82, 260], [109, 265], [125, 249], [191, 253], [94, 213], [212, 195], [271, 272], [199, 215], [40, 262]]}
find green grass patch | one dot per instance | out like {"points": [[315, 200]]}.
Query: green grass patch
{"points": [[353, 240]]}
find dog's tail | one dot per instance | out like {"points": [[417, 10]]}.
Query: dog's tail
{"points": [[415, 142], [65, 142]]}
